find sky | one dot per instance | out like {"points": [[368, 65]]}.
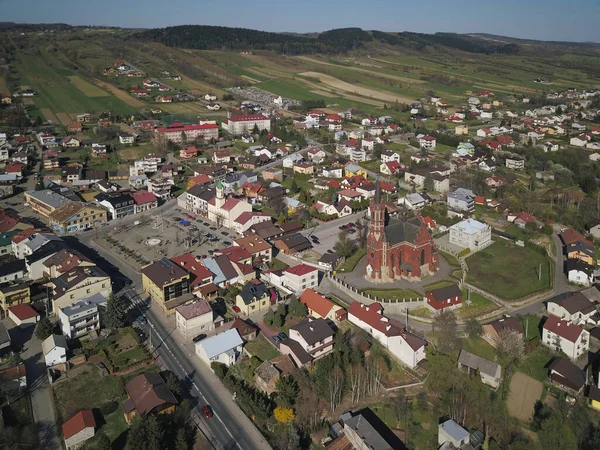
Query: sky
{"points": [[565, 20]]}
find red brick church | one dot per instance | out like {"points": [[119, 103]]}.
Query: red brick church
{"points": [[398, 247]]}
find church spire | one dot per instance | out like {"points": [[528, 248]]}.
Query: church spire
{"points": [[377, 192]]}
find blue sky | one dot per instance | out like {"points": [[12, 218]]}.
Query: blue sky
{"points": [[569, 20]]}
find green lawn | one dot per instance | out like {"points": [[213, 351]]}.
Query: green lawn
{"points": [[509, 271], [301, 181], [86, 390], [393, 293], [115, 424], [277, 264], [479, 305], [534, 364], [262, 349], [451, 259], [519, 233], [123, 350], [437, 285], [421, 312], [481, 348], [371, 165], [350, 263]]}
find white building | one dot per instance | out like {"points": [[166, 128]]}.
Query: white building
{"points": [[572, 340], [571, 307], [298, 278], [79, 429], [579, 272], [406, 347], [55, 349], [224, 348], [471, 234], [223, 211], [194, 318], [427, 142], [450, 431], [314, 335], [82, 317], [461, 200], [243, 123]]}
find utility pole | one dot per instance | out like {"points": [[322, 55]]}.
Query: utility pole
{"points": [[540, 273], [526, 326]]}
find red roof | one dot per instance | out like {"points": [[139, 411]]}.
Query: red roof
{"points": [[349, 193], [23, 312], [505, 140], [77, 423], [230, 204], [177, 127], [195, 309], [20, 237], [566, 330], [247, 215], [387, 187], [189, 150], [394, 166], [316, 302], [570, 236], [246, 118], [300, 269], [194, 266], [428, 138], [373, 316], [480, 200], [8, 221], [235, 253], [429, 222], [525, 217], [15, 167], [333, 183], [200, 179], [222, 154], [143, 197]]}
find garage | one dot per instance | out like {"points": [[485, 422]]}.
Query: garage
{"points": [[23, 315]]}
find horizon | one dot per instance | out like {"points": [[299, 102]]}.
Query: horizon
{"points": [[561, 22]]}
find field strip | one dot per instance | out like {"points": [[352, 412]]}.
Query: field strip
{"points": [[49, 115], [251, 80], [64, 118], [3, 86], [121, 95], [363, 70], [269, 73], [323, 93], [28, 101], [87, 88], [350, 88]]}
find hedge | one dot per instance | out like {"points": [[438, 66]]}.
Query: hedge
{"points": [[464, 252]]}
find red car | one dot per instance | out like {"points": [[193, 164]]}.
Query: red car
{"points": [[207, 411], [236, 308]]}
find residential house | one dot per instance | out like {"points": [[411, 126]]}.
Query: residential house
{"points": [[571, 307], [249, 219], [353, 170], [13, 271], [487, 165], [148, 394], [489, 371], [304, 168], [55, 349], [329, 261], [391, 168], [567, 376], [316, 155], [427, 142], [389, 155], [188, 152], [492, 332], [417, 177], [289, 161], [127, 139], [320, 307], [74, 127], [78, 283], [246, 330], [365, 431], [166, 283], [471, 234], [118, 204], [23, 314], [224, 348], [515, 163], [259, 249], [292, 244], [270, 372], [452, 436], [63, 261], [80, 318], [444, 298], [581, 251], [572, 340], [407, 347], [300, 277], [144, 201], [332, 172], [77, 216], [194, 318], [579, 272], [521, 219], [461, 200], [79, 429], [253, 298], [315, 337]]}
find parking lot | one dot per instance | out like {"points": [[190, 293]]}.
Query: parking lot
{"points": [[164, 234], [327, 232]]}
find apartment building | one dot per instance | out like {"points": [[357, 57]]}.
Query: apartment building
{"points": [[82, 317]]}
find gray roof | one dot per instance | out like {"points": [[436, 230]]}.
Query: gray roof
{"points": [[367, 432], [313, 330], [462, 194], [84, 304], [54, 340], [574, 302], [454, 430], [49, 197], [402, 230], [592, 294], [485, 366], [252, 291], [221, 343]]}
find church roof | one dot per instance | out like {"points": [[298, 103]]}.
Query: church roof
{"points": [[402, 229]]}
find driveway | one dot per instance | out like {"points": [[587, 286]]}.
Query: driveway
{"points": [[42, 400]]}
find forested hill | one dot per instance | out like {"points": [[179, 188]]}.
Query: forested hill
{"points": [[334, 41]]}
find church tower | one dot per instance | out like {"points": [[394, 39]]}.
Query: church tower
{"points": [[220, 200], [376, 236]]}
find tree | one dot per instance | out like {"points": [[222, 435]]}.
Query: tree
{"points": [[296, 308], [363, 232], [44, 328], [294, 189], [287, 391], [181, 442], [154, 433], [100, 442], [281, 218], [447, 328], [137, 438], [511, 344], [115, 314], [428, 184], [473, 328], [15, 360], [344, 246], [173, 384], [269, 317]]}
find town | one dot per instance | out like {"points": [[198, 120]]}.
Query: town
{"points": [[245, 267]]}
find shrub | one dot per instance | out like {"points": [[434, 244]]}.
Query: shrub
{"points": [[219, 369], [108, 408], [105, 359], [464, 252], [284, 415]]}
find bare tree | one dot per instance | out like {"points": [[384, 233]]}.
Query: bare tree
{"points": [[511, 344], [336, 387], [356, 381], [447, 329]]}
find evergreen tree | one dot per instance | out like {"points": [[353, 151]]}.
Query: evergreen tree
{"points": [[173, 384], [181, 441], [115, 314], [294, 187], [287, 391], [44, 328], [154, 433], [296, 308]]}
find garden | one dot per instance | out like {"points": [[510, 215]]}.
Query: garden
{"points": [[122, 350]]}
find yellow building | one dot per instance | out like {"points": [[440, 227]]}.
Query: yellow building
{"points": [[16, 294], [594, 396], [352, 170], [578, 250], [77, 284], [77, 216], [167, 284], [45, 202], [304, 168], [253, 298]]}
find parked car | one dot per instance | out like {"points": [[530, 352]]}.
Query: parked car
{"points": [[276, 339], [351, 230], [224, 233], [199, 337], [140, 334], [142, 320], [342, 227], [207, 411], [213, 228], [281, 335], [226, 243], [314, 237], [236, 309]]}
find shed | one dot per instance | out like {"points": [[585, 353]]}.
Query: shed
{"points": [[489, 371], [79, 429], [23, 315]]}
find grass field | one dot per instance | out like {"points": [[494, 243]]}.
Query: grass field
{"points": [[87, 88], [123, 351], [392, 293], [350, 263], [449, 258], [509, 271], [262, 349], [479, 305]]}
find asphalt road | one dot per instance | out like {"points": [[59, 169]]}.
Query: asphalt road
{"points": [[229, 428]]}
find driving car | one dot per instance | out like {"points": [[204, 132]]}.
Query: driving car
{"points": [[199, 337], [207, 411], [142, 320]]}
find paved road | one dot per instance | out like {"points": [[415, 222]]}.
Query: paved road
{"points": [[42, 400], [229, 428]]}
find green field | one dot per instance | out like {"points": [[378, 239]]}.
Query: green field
{"points": [[392, 293], [509, 271]]}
